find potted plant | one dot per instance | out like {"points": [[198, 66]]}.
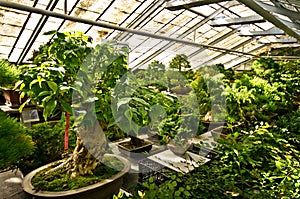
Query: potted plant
{"points": [[180, 62], [131, 111], [177, 131], [178, 80], [9, 75], [153, 76], [63, 80], [15, 143]]}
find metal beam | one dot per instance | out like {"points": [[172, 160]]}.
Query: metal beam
{"points": [[21, 31], [281, 41], [115, 27], [36, 32], [171, 7], [237, 21], [222, 54], [271, 31], [280, 10], [202, 22], [254, 5]]}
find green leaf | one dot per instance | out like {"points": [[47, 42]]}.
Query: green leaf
{"points": [[128, 114], [236, 152], [33, 82], [177, 193], [61, 35], [143, 102], [278, 164], [151, 180], [43, 93], [46, 99], [49, 108], [141, 194], [66, 106], [52, 85]]}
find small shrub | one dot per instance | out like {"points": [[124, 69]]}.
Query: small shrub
{"points": [[49, 145], [14, 142]]}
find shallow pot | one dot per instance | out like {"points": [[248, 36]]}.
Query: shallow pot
{"points": [[126, 148], [101, 190]]}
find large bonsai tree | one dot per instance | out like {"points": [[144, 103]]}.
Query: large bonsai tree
{"points": [[68, 71], [66, 64], [48, 82]]}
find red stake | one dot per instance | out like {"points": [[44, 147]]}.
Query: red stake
{"points": [[67, 130]]}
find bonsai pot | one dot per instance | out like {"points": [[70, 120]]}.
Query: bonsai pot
{"points": [[134, 147], [101, 190], [12, 97], [180, 90]]}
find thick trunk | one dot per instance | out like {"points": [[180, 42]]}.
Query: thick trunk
{"points": [[82, 162], [88, 153]]}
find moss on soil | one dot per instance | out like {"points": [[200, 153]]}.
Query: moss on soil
{"points": [[60, 181]]}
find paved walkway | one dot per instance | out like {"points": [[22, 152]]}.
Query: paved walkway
{"points": [[10, 185]]}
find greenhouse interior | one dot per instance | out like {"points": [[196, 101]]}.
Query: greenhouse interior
{"points": [[149, 99]]}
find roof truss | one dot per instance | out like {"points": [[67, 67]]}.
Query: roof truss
{"points": [[155, 28]]}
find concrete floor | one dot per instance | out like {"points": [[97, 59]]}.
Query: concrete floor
{"points": [[11, 185]]}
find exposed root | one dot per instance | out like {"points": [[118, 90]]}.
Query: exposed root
{"points": [[86, 155]]}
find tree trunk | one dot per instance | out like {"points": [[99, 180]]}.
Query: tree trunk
{"points": [[88, 153]]}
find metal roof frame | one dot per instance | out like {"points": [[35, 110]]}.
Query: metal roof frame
{"points": [[192, 27]]}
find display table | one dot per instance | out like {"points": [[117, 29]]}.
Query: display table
{"points": [[160, 166], [182, 164]]}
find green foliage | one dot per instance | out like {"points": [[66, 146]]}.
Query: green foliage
{"points": [[267, 68], [154, 75], [208, 86], [48, 82], [284, 73], [140, 107], [96, 79], [262, 162], [168, 128], [48, 139], [15, 143], [179, 62], [9, 74], [118, 55], [253, 98]]}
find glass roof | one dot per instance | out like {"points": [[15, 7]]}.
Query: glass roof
{"points": [[207, 31]]}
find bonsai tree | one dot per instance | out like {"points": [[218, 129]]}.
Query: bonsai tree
{"points": [[14, 142], [9, 74], [154, 75], [48, 83], [179, 79], [67, 75], [179, 62]]}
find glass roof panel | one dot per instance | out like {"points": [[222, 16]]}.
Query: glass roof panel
{"points": [[205, 10], [191, 28]]}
